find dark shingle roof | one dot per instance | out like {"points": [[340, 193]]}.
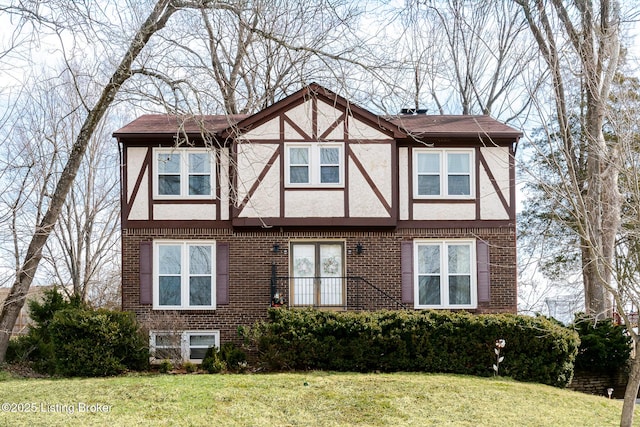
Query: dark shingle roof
{"points": [[162, 124], [417, 125], [455, 126]]}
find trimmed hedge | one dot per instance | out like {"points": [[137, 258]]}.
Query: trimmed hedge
{"points": [[537, 349]]}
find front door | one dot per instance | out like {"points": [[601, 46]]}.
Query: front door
{"points": [[318, 273]]}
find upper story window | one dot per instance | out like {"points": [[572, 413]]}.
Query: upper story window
{"points": [[443, 173], [314, 165], [445, 274], [184, 275], [184, 173]]}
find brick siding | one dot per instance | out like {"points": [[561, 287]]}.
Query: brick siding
{"points": [[251, 256]]}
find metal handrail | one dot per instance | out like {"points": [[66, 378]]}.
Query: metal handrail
{"points": [[280, 292]]}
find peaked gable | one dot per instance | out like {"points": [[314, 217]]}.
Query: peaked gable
{"points": [[323, 120]]}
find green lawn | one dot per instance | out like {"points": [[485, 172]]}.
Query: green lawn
{"points": [[300, 399]]}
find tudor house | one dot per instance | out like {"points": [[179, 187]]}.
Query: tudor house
{"points": [[312, 202]]}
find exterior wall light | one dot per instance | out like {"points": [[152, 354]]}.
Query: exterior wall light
{"points": [[276, 249]]}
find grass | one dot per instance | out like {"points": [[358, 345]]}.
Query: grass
{"points": [[299, 399]]}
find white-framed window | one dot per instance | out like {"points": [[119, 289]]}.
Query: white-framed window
{"points": [[445, 274], [314, 164], [182, 173], [184, 275], [443, 173], [186, 346]]}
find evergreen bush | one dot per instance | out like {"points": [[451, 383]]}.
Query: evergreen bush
{"points": [[36, 346], [99, 342], [537, 349], [212, 362], [234, 358], [604, 346]]}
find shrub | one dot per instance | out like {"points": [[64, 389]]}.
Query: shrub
{"points": [[537, 349], [165, 366], [212, 362], [36, 347], [97, 342], [189, 367], [604, 346], [234, 357]]}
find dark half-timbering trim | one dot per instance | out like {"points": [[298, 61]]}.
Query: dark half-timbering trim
{"points": [[457, 224]]}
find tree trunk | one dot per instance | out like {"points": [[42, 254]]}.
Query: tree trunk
{"points": [[156, 20], [631, 392]]}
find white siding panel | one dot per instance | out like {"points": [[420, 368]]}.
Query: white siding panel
{"points": [[268, 130], [327, 115], [140, 207], [225, 184], [444, 211], [265, 202], [363, 202], [252, 159], [376, 160], [314, 204], [403, 182], [135, 158], [184, 212], [359, 130], [302, 117], [491, 206]]}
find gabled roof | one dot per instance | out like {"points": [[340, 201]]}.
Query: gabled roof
{"points": [[314, 90], [401, 126]]}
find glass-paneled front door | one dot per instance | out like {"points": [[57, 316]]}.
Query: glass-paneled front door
{"points": [[318, 273]]}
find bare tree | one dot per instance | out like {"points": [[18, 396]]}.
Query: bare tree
{"points": [[465, 57], [233, 64], [240, 59], [155, 21], [580, 44], [85, 239], [594, 41]]}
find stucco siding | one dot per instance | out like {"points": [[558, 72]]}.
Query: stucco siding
{"points": [[268, 130], [491, 206], [311, 204], [444, 211], [184, 212]]}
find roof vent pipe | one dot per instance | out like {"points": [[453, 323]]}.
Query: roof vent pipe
{"points": [[412, 111]]}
